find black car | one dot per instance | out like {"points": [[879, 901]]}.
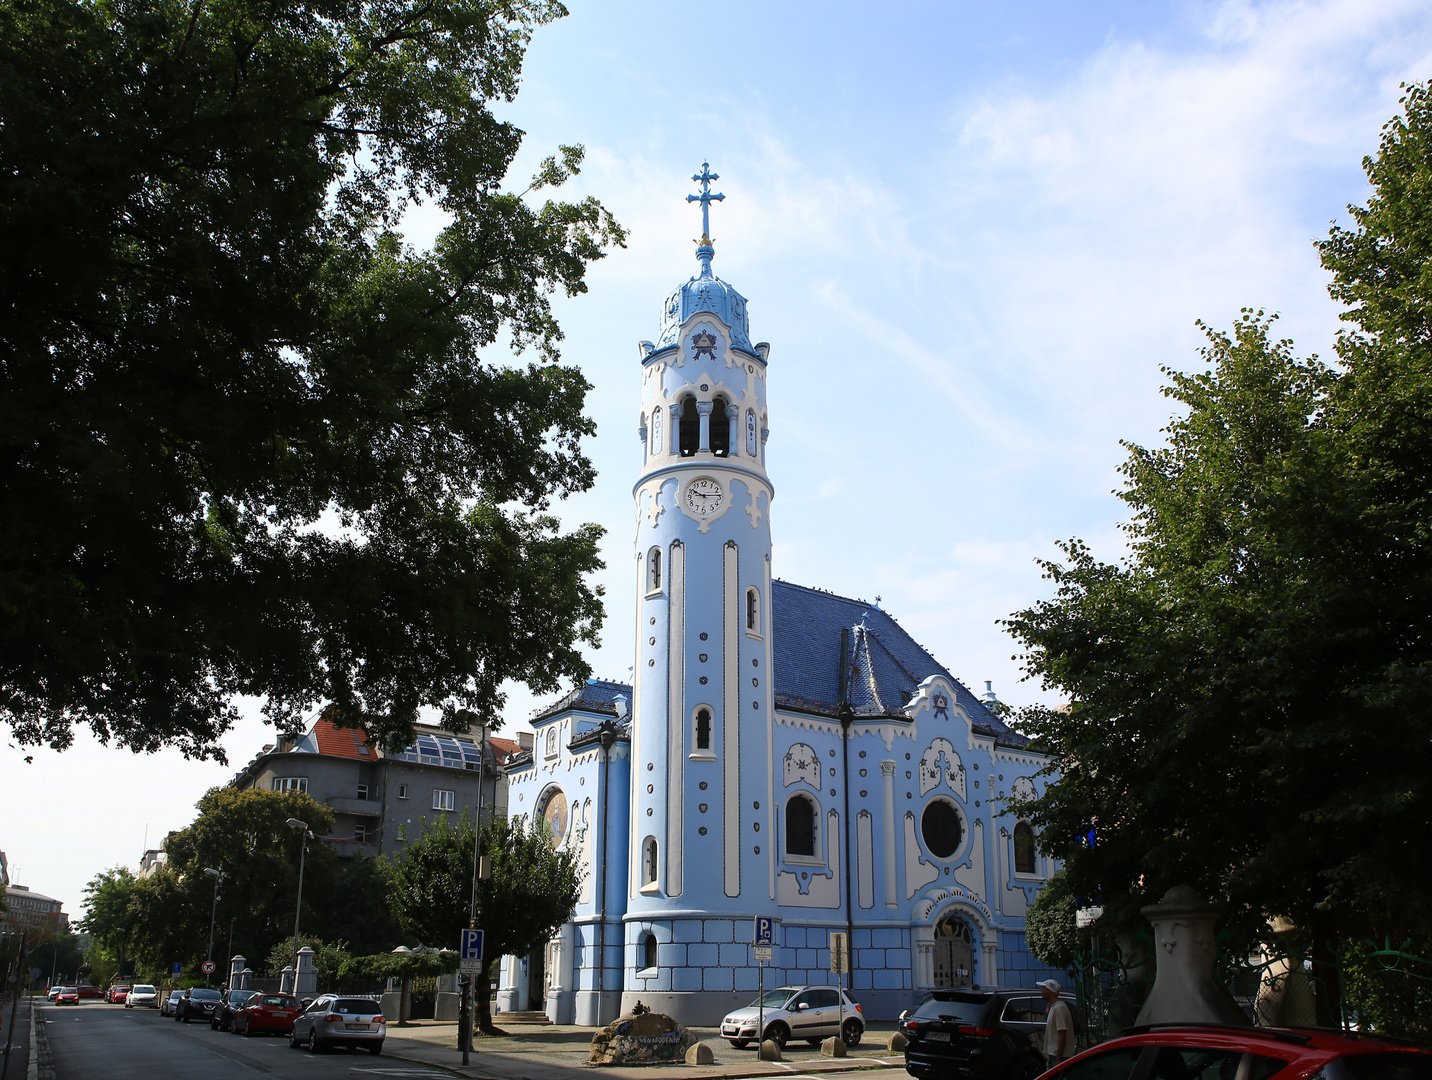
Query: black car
{"points": [[230, 1002], [992, 1034], [198, 1002]]}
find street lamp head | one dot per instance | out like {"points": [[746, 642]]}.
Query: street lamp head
{"points": [[212, 872], [294, 823]]}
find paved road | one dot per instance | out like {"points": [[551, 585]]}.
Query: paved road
{"points": [[95, 1041]]}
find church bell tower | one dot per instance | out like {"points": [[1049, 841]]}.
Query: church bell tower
{"points": [[702, 687]]}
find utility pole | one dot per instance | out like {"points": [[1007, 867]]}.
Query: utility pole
{"points": [[302, 826]]}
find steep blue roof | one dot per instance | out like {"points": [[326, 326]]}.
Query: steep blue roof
{"points": [[888, 665]]}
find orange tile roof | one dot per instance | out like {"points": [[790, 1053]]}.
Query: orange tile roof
{"points": [[341, 741], [502, 747]]}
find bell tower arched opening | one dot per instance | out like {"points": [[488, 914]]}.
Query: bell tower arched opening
{"points": [[688, 428]]}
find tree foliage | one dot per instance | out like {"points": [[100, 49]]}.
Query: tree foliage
{"points": [[390, 965], [531, 893], [250, 441], [1049, 924], [328, 957], [1250, 689]]}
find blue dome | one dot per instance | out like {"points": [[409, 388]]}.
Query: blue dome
{"points": [[706, 292]]}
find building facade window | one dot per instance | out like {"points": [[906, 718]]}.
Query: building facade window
{"points": [[649, 863], [720, 429], [942, 828], [688, 429], [653, 570], [648, 951], [402, 791], [800, 827], [290, 783], [362, 791], [753, 611], [360, 833], [703, 729], [444, 799], [1024, 856]]}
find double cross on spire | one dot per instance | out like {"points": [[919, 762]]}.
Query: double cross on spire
{"points": [[704, 178]]}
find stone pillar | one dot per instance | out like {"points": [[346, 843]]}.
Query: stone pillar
{"points": [[236, 967], [1184, 991], [246, 979], [285, 980], [675, 441], [307, 973], [733, 417], [703, 409]]}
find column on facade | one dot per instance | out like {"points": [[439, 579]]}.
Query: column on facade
{"points": [[733, 417], [703, 409], [887, 785]]}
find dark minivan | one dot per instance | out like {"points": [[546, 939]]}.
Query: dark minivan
{"points": [[990, 1034]]}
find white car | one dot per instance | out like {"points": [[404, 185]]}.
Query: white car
{"points": [[335, 1020], [141, 994], [811, 1013]]}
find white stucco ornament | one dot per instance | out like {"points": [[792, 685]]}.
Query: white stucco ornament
{"points": [[1184, 989]]}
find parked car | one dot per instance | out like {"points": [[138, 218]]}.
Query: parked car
{"points": [[333, 1021], [171, 1003], [198, 1002], [811, 1013], [88, 991], [141, 995], [68, 995], [267, 1012], [115, 995], [997, 1034], [53, 992], [1215, 1052], [230, 1002]]}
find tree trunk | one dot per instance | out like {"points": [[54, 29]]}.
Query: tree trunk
{"points": [[482, 1000]]}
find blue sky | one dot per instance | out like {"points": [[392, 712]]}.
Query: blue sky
{"points": [[972, 233]]}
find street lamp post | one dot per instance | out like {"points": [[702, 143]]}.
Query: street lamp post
{"points": [[302, 827], [213, 910]]}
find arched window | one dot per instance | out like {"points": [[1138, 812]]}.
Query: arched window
{"points": [[800, 826], [653, 570], [688, 428], [648, 951], [703, 729], [648, 862], [942, 828], [753, 611], [720, 429], [1024, 861]]}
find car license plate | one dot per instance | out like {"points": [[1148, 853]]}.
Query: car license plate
{"points": [[355, 1027], [938, 1036]]}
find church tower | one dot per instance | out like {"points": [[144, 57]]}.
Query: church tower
{"points": [[702, 693]]}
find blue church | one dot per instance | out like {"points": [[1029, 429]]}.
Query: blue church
{"points": [[781, 751]]}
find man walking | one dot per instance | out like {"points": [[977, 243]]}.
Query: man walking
{"points": [[1058, 1025]]}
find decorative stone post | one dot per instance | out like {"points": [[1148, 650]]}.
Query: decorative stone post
{"points": [[1184, 991], [307, 973], [285, 980], [246, 979], [236, 967]]}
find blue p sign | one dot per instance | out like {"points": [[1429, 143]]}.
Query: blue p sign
{"points": [[765, 930], [470, 947], [177, 969]]}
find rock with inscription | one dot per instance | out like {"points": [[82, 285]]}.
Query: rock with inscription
{"points": [[639, 1038]]}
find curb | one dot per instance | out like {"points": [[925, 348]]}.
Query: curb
{"points": [[737, 1072]]}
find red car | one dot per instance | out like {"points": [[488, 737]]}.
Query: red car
{"points": [[116, 994], [88, 991], [267, 1012], [68, 995], [1216, 1052]]}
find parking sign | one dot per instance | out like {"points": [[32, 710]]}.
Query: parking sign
{"points": [[765, 930], [178, 968], [469, 952]]}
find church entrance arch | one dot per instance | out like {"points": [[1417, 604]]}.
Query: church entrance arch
{"points": [[954, 953]]}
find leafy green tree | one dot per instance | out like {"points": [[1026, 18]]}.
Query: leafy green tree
{"points": [[250, 441], [328, 957], [245, 836], [110, 912], [1049, 924], [1250, 690], [531, 893], [358, 911]]}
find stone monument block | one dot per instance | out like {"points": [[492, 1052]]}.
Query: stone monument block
{"points": [[769, 1051], [1184, 991], [640, 1037], [832, 1047], [896, 1045], [700, 1054]]}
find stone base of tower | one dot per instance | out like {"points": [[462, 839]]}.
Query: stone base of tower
{"points": [[597, 1010]]}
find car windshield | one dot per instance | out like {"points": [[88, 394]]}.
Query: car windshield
{"points": [[354, 1005], [773, 999], [175, 994], [282, 1001], [238, 997], [142, 989], [952, 1005], [200, 993]]}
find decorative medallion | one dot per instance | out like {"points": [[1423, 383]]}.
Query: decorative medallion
{"points": [[705, 344]]}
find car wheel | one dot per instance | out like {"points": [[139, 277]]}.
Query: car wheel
{"points": [[293, 1042], [779, 1034], [1025, 1068], [739, 1044], [248, 1030], [213, 1023], [851, 1033], [314, 1046], [375, 1048]]}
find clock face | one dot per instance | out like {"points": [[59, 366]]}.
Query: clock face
{"points": [[704, 497]]}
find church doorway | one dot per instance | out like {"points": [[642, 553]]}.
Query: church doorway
{"points": [[954, 954], [537, 979]]}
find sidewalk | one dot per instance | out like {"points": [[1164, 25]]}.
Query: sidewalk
{"points": [[559, 1052]]}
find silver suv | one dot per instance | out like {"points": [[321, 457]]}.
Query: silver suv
{"points": [[333, 1020], [811, 1013]]}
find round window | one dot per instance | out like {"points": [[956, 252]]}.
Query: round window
{"points": [[941, 828]]}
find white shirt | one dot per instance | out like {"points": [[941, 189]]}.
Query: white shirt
{"points": [[1059, 1019]]}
